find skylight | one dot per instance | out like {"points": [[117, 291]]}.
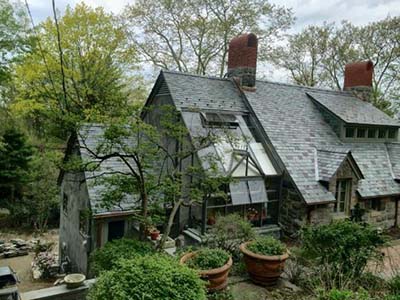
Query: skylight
{"points": [[211, 119]]}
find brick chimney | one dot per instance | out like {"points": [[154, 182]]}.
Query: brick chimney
{"points": [[242, 60], [358, 79]]}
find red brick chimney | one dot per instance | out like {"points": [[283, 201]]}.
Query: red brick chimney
{"points": [[242, 60], [358, 79]]}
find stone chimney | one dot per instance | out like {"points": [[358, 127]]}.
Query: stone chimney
{"points": [[242, 60], [358, 79]]}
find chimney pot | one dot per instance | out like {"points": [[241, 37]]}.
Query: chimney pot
{"points": [[358, 79], [242, 59]]}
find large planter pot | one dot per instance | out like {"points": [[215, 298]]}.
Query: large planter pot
{"points": [[217, 278], [264, 270]]}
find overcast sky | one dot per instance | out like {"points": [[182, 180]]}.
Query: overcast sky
{"points": [[306, 11]]}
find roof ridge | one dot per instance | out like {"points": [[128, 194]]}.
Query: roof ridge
{"points": [[194, 75], [304, 87]]}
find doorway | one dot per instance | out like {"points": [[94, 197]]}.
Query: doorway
{"points": [[116, 230]]}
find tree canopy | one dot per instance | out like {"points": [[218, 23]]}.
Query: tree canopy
{"points": [[193, 35], [96, 66]]}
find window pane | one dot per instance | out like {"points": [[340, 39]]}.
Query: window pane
{"points": [[382, 133], [361, 132], [392, 133], [349, 132], [371, 133]]}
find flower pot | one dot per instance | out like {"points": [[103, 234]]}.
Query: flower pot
{"points": [[154, 235], [217, 278], [263, 269]]}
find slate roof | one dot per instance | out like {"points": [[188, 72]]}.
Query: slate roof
{"points": [[90, 137], [208, 93], [296, 127], [328, 162], [353, 110]]}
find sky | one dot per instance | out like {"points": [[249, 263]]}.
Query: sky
{"points": [[307, 12]]}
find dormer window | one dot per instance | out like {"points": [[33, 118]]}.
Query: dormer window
{"points": [[210, 119], [369, 134]]}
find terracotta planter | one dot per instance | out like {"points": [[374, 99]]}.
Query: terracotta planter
{"points": [[217, 278], [264, 270], [154, 235]]}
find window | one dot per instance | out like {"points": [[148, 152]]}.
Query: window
{"points": [[361, 132], [343, 196], [382, 133], [350, 132], [371, 133], [392, 133], [219, 120], [65, 203], [375, 204]]}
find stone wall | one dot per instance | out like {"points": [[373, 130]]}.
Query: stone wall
{"points": [[59, 293], [292, 211], [384, 218]]}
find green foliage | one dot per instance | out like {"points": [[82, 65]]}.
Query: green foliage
{"points": [[394, 285], [336, 294], [14, 37], [345, 246], [106, 258], [229, 232], [206, 259], [148, 278], [15, 156], [267, 246], [96, 64]]}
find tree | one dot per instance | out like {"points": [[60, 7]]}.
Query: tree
{"points": [[193, 35], [317, 56], [153, 155], [15, 156], [14, 37], [91, 44]]}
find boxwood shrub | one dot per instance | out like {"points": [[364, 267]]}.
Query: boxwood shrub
{"points": [[155, 277], [267, 246], [105, 258], [206, 259]]}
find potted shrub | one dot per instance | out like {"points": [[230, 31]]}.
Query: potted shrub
{"points": [[212, 265], [265, 259], [154, 234]]}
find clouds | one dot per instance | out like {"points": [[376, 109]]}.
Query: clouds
{"points": [[307, 12], [358, 12]]}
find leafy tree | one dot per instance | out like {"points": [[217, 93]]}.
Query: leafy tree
{"points": [[317, 56], [193, 35], [15, 156], [95, 64], [14, 37]]}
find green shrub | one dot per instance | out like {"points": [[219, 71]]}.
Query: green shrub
{"points": [[206, 259], [148, 278], [394, 285], [229, 232], [105, 258], [267, 246], [345, 247], [335, 294]]}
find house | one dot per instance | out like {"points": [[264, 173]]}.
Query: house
{"points": [[304, 155], [85, 224]]}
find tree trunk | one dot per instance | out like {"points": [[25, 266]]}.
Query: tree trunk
{"points": [[142, 225], [167, 229]]}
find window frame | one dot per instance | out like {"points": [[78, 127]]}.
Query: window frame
{"points": [[380, 133], [347, 182]]}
